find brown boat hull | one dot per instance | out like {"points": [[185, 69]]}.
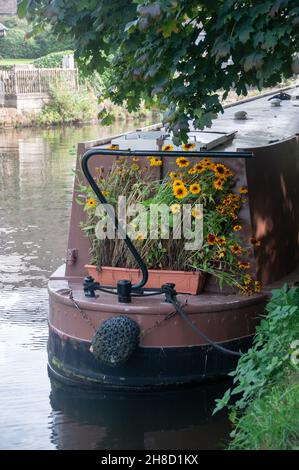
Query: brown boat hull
{"points": [[169, 352]]}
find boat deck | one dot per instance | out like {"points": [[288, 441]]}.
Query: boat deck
{"points": [[264, 124]]}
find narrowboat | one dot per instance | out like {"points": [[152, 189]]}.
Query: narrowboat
{"points": [[128, 335]]}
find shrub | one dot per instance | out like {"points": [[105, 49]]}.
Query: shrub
{"points": [[14, 45], [68, 105], [53, 60], [266, 380]]}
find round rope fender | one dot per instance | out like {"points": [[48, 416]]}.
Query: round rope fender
{"points": [[115, 340]]}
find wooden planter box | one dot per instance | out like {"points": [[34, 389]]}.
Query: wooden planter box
{"points": [[187, 282]]}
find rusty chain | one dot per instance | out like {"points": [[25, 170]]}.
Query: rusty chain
{"points": [[143, 332]]}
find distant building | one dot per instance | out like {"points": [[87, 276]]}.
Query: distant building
{"points": [[3, 30], [8, 7]]}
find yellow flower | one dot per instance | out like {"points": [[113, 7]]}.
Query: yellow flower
{"points": [[155, 161], [243, 190], [195, 188], [244, 264], [236, 228], [91, 202], [113, 147], [178, 183], [218, 184], [236, 249], [220, 254], [167, 148], [228, 172], [255, 242], [205, 161], [212, 239], [140, 236], [199, 167], [188, 146], [180, 191], [257, 286], [220, 209], [135, 159], [221, 240], [192, 171], [175, 208], [105, 193], [219, 169], [182, 162], [196, 213], [172, 175]]}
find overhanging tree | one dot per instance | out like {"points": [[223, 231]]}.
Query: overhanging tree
{"points": [[177, 54]]}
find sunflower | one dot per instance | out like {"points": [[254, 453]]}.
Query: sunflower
{"points": [[209, 165], [244, 264], [155, 161], [196, 213], [188, 146], [254, 241], [243, 190], [219, 169], [182, 162], [195, 188], [228, 172], [91, 202], [192, 171], [236, 249], [180, 191], [113, 147], [220, 254], [248, 279], [211, 239], [199, 167], [168, 148], [172, 175], [221, 240], [236, 228], [178, 183], [105, 193], [205, 161], [175, 208], [218, 184], [220, 210]]}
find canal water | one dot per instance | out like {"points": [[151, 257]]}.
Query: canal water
{"points": [[36, 182]]}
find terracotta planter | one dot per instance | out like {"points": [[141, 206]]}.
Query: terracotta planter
{"points": [[188, 282]]}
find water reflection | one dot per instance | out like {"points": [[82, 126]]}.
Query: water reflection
{"points": [[36, 182], [177, 419]]}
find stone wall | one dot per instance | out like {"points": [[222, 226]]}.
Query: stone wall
{"points": [[28, 102], [8, 7]]}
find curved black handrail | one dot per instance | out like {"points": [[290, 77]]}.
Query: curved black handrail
{"points": [[141, 153]]}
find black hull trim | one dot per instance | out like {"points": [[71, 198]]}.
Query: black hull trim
{"points": [[71, 362]]}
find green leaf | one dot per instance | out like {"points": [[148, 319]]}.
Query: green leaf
{"points": [[22, 8]]}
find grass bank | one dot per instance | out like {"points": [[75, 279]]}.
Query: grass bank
{"points": [[15, 61], [264, 399]]}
